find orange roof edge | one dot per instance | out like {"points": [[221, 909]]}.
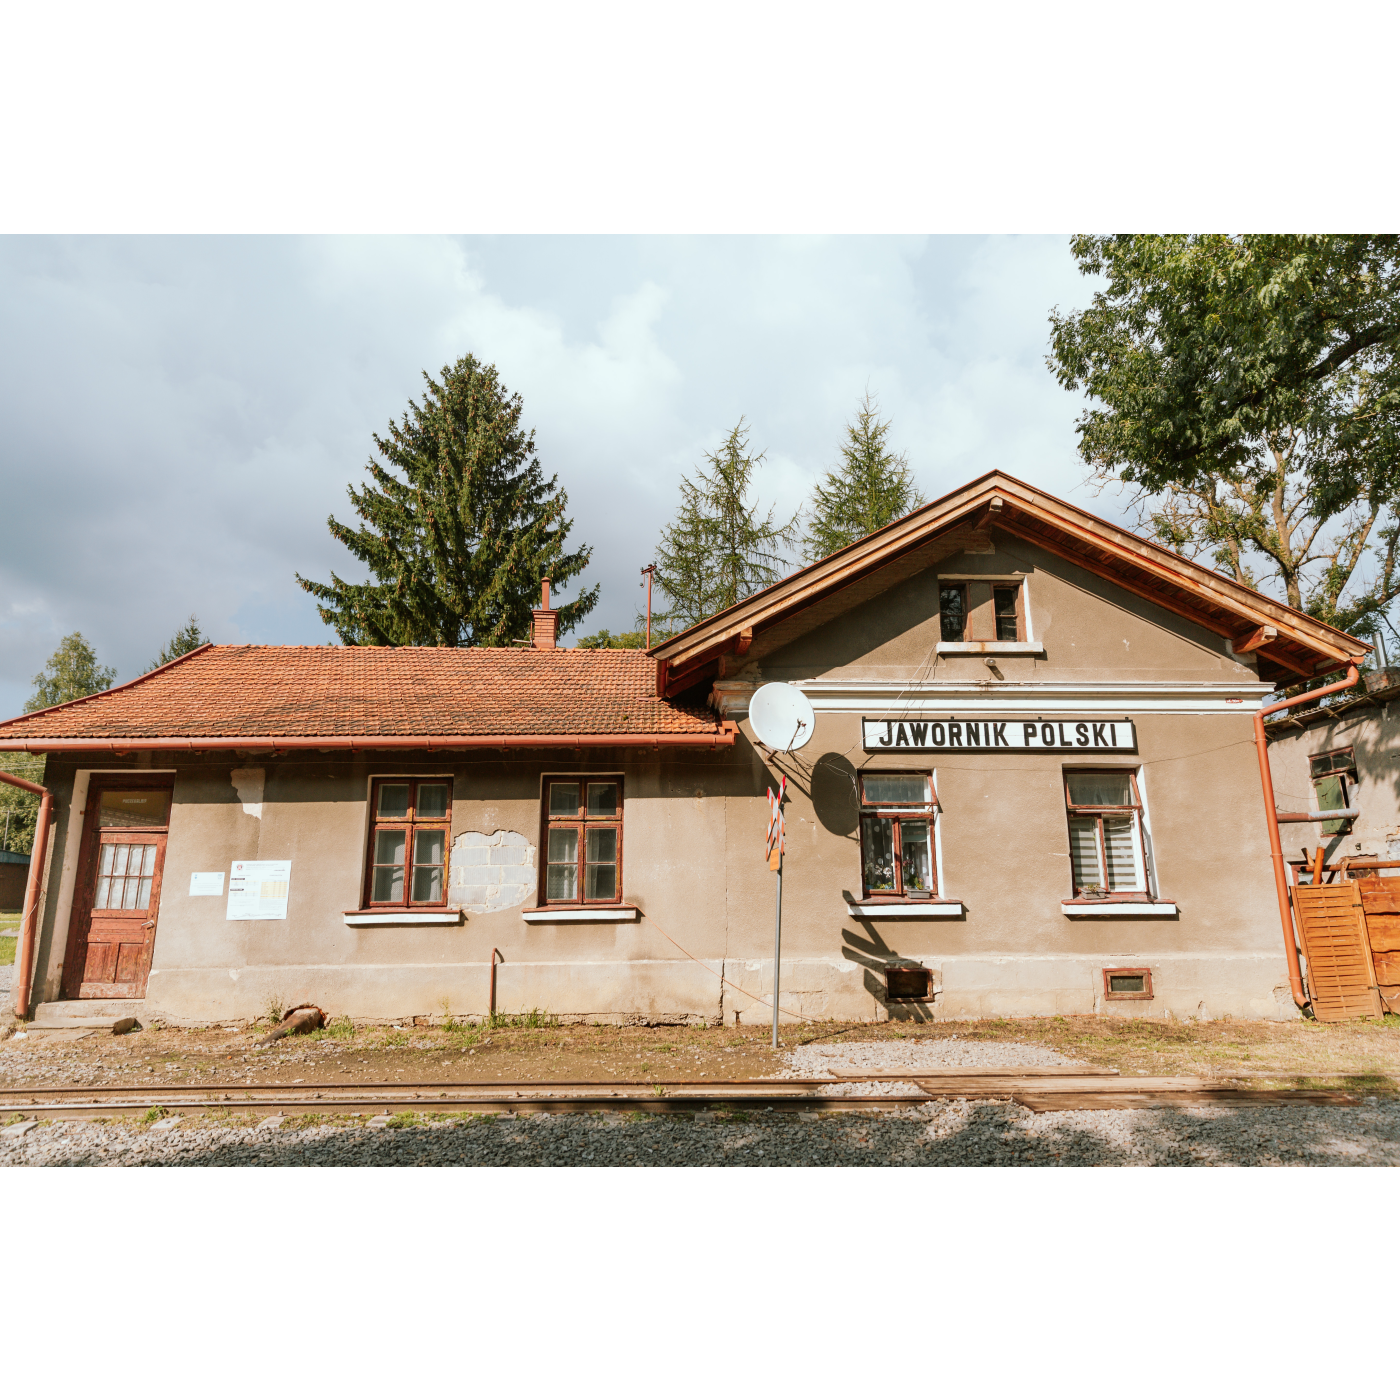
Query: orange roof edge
{"points": [[687, 649]]}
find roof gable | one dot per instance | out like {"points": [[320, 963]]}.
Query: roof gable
{"points": [[1289, 644]]}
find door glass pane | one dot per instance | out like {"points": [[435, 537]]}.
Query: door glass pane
{"points": [[388, 884], [916, 858], [143, 896], [950, 609], [1100, 789], [1120, 849], [135, 807], [877, 853], [432, 800], [104, 889], [120, 856], [108, 852], [388, 847], [130, 894], [602, 799], [148, 861], [393, 801], [883, 789], [563, 799], [1084, 852]]}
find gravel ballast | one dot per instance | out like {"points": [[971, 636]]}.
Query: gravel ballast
{"points": [[956, 1133]]}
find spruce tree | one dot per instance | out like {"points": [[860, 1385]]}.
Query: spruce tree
{"points": [[871, 486], [460, 526], [718, 550], [187, 639]]}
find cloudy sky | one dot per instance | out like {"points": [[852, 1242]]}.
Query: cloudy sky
{"points": [[182, 414]]}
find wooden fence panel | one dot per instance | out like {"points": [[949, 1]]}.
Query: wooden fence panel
{"points": [[1380, 901], [1341, 978]]}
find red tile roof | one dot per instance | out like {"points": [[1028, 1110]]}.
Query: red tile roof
{"points": [[304, 692]]}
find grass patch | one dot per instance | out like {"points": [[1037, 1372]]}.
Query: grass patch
{"points": [[154, 1115], [7, 949]]}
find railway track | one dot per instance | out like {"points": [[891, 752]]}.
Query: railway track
{"points": [[1042, 1090]]}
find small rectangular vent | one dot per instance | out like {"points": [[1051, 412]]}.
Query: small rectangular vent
{"points": [[908, 984], [1127, 983]]}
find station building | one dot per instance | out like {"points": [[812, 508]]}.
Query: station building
{"points": [[1032, 789]]}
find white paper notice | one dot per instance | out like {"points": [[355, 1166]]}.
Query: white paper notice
{"points": [[207, 882], [257, 889]]}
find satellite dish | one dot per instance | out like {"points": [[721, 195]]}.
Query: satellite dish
{"points": [[781, 716]]}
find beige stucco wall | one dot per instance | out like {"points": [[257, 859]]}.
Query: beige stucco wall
{"points": [[693, 852], [1374, 733]]}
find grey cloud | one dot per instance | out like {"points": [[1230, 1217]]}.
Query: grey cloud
{"points": [[183, 413]]}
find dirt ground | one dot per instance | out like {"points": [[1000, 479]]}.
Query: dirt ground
{"points": [[1299, 1053]]}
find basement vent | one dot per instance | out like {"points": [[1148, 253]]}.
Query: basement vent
{"points": [[908, 984], [1127, 983]]}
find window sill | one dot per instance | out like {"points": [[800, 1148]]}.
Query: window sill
{"points": [[906, 909], [359, 918], [990, 649], [583, 914], [1117, 908]]}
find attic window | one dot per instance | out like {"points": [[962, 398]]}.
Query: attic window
{"points": [[952, 611], [1127, 983], [1336, 761]]}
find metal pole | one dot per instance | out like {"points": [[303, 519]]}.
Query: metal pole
{"points": [[777, 948]]}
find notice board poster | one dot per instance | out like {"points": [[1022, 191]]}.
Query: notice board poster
{"points": [[257, 889]]}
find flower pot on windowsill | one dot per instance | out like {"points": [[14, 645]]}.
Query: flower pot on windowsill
{"points": [[1094, 892], [918, 894]]}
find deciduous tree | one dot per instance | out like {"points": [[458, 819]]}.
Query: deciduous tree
{"points": [[69, 674], [1249, 387]]}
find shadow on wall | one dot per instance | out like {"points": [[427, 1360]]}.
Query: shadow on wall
{"points": [[869, 949]]}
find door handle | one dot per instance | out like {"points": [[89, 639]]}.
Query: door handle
{"points": [[150, 923]]}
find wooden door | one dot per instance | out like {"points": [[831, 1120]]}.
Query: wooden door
{"points": [[115, 908], [1341, 980]]}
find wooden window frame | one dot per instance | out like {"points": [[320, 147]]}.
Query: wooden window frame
{"points": [[582, 822], [1109, 973], [894, 812], [961, 589], [410, 825], [1341, 765], [1018, 613], [1072, 809]]}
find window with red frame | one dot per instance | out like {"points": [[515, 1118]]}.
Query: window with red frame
{"points": [[896, 836], [408, 842], [583, 841]]}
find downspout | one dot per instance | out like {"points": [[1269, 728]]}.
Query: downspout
{"points": [[1266, 777], [24, 951]]}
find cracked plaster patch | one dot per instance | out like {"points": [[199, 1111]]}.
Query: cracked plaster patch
{"points": [[248, 783], [491, 872]]}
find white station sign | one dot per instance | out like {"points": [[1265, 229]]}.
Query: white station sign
{"points": [[991, 735]]}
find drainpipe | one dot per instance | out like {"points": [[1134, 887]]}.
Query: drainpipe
{"points": [[1261, 744], [24, 951], [492, 1000]]}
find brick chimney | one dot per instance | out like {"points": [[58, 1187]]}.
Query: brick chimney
{"points": [[546, 620]]}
